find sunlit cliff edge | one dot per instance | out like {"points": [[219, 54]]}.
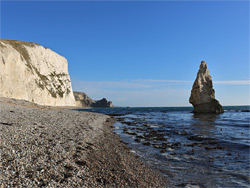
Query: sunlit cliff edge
{"points": [[34, 73]]}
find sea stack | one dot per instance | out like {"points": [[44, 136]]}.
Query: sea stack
{"points": [[202, 94]]}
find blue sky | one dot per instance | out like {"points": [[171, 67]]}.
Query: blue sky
{"points": [[141, 53]]}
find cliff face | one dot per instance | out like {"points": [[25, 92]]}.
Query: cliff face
{"points": [[83, 100], [202, 94], [32, 72]]}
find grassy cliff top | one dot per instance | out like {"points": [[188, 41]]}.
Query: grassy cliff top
{"points": [[16, 43]]}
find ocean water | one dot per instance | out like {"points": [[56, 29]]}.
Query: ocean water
{"points": [[206, 151]]}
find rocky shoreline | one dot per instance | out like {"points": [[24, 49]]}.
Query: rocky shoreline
{"points": [[55, 147]]}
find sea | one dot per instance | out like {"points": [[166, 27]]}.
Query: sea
{"points": [[192, 150]]}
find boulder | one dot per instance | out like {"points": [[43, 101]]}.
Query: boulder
{"points": [[34, 73], [202, 94]]}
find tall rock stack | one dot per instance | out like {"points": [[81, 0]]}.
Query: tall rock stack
{"points": [[202, 94], [32, 72]]}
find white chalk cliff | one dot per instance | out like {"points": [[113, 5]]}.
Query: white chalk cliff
{"points": [[32, 72]]}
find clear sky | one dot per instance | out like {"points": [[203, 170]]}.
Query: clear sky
{"points": [[141, 53]]}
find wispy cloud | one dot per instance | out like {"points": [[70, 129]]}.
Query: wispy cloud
{"points": [[143, 84], [233, 82], [138, 92], [147, 92], [139, 84]]}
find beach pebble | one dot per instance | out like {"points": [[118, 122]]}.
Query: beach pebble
{"points": [[191, 186], [58, 147]]}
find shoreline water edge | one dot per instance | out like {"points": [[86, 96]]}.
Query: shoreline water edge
{"points": [[192, 150], [43, 146]]}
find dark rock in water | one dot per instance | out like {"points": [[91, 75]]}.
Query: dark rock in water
{"points": [[131, 133], [137, 140], [146, 143], [245, 110], [138, 136], [200, 138], [202, 94]]}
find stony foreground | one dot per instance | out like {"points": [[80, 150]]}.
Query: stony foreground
{"points": [[53, 147]]}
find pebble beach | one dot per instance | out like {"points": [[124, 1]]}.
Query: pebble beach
{"points": [[42, 146]]}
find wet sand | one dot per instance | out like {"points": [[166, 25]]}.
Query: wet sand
{"points": [[57, 147]]}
